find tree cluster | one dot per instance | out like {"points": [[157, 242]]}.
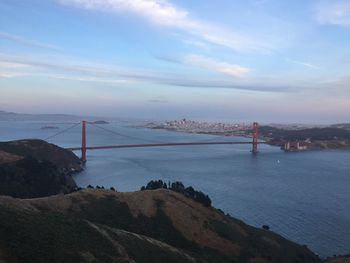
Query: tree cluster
{"points": [[101, 187], [179, 187]]}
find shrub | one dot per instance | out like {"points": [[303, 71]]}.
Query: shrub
{"points": [[266, 227]]}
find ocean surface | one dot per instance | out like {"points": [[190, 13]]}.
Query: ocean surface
{"points": [[304, 196]]}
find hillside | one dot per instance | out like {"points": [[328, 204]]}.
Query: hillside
{"points": [[13, 116], [328, 133], [316, 138], [41, 150], [146, 226], [345, 126], [35, 168]]}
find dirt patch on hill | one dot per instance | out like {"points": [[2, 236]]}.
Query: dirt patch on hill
{"points": [[6, 157]]}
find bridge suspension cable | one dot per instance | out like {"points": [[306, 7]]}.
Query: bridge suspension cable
{"points": [[63, 131], [217, 137], [123, 135], [154, 143]]}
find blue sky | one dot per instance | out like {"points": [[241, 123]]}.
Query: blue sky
{"points": [[265, 60]]}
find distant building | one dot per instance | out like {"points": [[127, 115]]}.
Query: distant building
{"points": [[295, 146]]}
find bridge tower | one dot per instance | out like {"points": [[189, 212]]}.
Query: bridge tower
{"points": [[255, 138], [83, 141]]}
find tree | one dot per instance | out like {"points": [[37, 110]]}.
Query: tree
{"points": [[153, 185], [266, 227]]}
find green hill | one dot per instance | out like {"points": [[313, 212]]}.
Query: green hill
{"points": [[147, 226]]}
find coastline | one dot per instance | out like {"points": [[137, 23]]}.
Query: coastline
{"points": [[316, 145]]}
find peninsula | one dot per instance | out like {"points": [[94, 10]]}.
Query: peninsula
{"points": [[335, 136]]}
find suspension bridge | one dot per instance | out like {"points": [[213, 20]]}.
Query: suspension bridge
{"points": [[254, 142]]}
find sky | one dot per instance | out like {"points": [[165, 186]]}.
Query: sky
{"points": [[232, 60]]}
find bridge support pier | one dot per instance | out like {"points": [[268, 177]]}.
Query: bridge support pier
{"points": [[255, 138], [83, 141]]}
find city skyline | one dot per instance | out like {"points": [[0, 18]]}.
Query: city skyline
{"points": [[242, 60]]}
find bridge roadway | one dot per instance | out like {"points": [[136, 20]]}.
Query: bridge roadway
{"points": [[156, 145]]}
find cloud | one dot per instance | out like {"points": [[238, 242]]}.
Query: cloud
{"points": [[8, 75], [56, 64], [308, 65], [338, 87], [75, 69], [232, 70], [334, 12], [255, 86], [165, 14], [27, 42], [11, 69], [198, 44], [158, 101], [88, 79], [12, 65], [210, 64]]}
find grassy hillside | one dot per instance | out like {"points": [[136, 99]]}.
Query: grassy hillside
{"points": [[146, 226], [328, 133]]}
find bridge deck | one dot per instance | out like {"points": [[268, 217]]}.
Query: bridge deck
{"points": [[157, 145]]}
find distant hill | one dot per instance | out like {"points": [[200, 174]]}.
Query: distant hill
{"points": [[100, 122], [327, 133], [345, 126], [12, 116]]}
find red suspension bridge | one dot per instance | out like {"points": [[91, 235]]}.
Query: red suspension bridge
{"points": [[84, 147]]}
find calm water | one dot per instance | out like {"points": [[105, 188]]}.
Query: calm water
{"points": [[303, 196]]}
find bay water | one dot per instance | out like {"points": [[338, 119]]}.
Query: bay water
{"points": [[303, 196]]}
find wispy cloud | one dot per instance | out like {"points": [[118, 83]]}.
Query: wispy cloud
{"points": [[195, 43], [215, 65], [210, 64], [77, 69], [337, 86], [11, 69], [66, 69], [8, 75], [158, 101], [89, 79], [334, 12], [165, 14], [308, 65], [224, 84], [12, 65], [28, 42], [56, 64], [58, 67]]}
